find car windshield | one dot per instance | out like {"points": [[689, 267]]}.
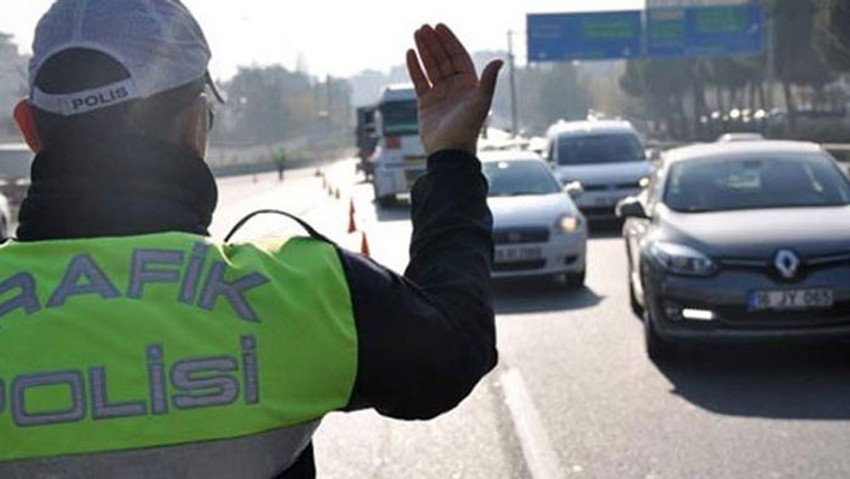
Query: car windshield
{"points": [[400, 118], [606, 148], [700, 186], [519, 177]]}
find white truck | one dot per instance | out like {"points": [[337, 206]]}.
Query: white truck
{"points": [[399, 156]]}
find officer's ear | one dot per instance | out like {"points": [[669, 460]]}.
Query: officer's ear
{"points": [[25, 118], [197, 125]]}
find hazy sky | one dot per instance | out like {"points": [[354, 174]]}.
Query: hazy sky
{"points": [[337, 37]]}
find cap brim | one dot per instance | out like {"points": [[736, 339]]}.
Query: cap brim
{"points": [[216, 91]]}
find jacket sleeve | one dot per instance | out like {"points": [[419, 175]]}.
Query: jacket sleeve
{"points": [[427, 337]]}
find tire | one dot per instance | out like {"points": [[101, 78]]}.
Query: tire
{"points": [[382, 200], [385, 201], [574, 280], [637, 309], [658, 349]]}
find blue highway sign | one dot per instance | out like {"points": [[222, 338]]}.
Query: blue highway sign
{"points": [[584, 36], [705, 31]]}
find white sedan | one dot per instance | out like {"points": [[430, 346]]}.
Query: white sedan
{"points": [[538, 231]]}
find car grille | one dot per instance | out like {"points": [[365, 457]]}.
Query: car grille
{"points": [[521, 235], [765, 266], [519, 266], [612, 187], [594, 211]]}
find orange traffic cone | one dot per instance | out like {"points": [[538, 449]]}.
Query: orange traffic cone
{"points": [[352, 226], [336, 193], [351, 209], [364, 246]]}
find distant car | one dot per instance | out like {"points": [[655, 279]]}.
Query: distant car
{"points": [[742, 136], [740, 240], [607, 158], [538, 231]]}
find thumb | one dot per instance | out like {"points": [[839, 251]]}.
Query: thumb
{"points": [[489, 76]]}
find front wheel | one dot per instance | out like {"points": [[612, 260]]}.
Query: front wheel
{"points": [[571, 280], [575, 280], [657, 348], [637, 309], [382, 200]]}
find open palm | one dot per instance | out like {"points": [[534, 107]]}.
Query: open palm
{"points": [[453, 103]]}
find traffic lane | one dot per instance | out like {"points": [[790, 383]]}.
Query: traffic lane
{"points": [[612, 413], [475, 440]]}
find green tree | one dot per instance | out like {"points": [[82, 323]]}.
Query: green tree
{"points": [[798, 60], [836, 34]]}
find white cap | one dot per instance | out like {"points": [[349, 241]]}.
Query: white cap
{"points": [[158, 42]]}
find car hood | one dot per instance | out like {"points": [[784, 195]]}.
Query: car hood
{"points": [[529, 210], [759, 233], [604, 173]]}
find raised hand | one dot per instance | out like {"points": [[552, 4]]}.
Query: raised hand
{"points": [[453, 103]]}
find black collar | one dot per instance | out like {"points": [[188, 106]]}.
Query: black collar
{"points": [[134, 189]]}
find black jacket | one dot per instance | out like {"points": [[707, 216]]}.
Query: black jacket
{"points": [[425, 338]]}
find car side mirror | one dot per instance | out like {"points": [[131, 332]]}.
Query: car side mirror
{"points": [[631, 207], [574, 189]]}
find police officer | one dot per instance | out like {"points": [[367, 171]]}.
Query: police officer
{"points": [[133, 345]]}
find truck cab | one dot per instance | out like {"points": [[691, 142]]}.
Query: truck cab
{"points": [[399, 157]]}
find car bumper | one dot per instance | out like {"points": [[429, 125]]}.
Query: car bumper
{"points": [[719, 307], [602, 204], [394, 180], [563, 253]]}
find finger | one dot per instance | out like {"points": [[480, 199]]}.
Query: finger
{"points": [[461, 60], [489, 76], [434, 57], [420, 82]]}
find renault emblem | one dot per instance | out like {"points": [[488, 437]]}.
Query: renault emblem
{"points": [[787, 263]]}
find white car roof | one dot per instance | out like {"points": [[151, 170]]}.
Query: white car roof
{"points": [[590, 127], [508, 155], [761, 149], [740, 136]]}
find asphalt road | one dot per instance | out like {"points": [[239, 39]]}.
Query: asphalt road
{"points": [[574, 394]]}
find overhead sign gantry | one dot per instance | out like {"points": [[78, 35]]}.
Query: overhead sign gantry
{"points": [[659, 32]]}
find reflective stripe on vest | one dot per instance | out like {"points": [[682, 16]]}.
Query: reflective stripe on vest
{"points": [[113, 344]]}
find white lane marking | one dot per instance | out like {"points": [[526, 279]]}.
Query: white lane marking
{"points": [[540, 458]]}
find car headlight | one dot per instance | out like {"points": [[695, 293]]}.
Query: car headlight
{"points": [[567, 224], [683, 260]]}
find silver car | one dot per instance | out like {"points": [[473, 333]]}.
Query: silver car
{"points": [[606, 158], [538, 230], [745, 240]]}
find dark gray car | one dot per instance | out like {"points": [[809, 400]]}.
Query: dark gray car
{"points": [[740, 240]]}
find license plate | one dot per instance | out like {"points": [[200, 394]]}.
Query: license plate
{"points": [[508, 255], [791, 299], [604, 201]]}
